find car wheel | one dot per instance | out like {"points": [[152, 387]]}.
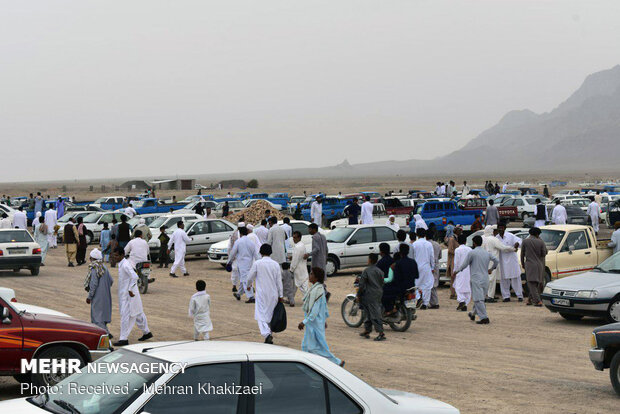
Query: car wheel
{"points": [[89, 237], [525, 216], [34, 271], [614, 372], [570, 316], [331, 267], [613, 312], [57, 353]]}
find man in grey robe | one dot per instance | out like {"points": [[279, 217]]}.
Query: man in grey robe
{"points": [[369, 296], [319, 247], [276, 238], [478, 261], [99, 294], [533, 253], [491, 217]]}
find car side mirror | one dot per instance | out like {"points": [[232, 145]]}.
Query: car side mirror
{"points": [[352, 242], [6, 316], [191, 233], [571, 249]]}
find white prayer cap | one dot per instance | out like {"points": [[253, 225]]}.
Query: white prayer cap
{"points": [[241, 224], [392, 216], [141, 221], [250, 227], [38, 214], [96, 254]]}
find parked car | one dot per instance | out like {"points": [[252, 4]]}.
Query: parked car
{"points": [[10, 211], [234, 206], [349, 246], [204, 234], [605, 352], [191, 207], [280, 377], [94, 224], [8, 295], [506, 212], [170, 221], [28, 336], [154, 205], [292, 204], [18, 250], [594, 293], [109, 202], [574, 215], [148, 218], [440, 213], [613, 212], [572, 249], [395, 206], [379, 216], [526, 206]]}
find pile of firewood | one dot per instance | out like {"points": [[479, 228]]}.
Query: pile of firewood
{"points": [[255, 213]]}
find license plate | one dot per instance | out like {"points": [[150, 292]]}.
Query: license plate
{"points": [[410, 304], [561, 302], [214, 256], [17, 251]]}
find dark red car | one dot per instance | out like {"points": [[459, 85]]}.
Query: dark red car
{"points": [[393, 205], [29, 336]]}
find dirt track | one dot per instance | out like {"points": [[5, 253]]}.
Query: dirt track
{"points": [[528, 360]]}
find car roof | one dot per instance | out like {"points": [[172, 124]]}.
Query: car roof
{"points": [[357, 226], [564, 227], [14, 229]]}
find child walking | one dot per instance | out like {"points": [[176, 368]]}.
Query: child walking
{"points": [[200, 310]]}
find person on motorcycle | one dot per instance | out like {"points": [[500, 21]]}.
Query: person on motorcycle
{"points": [[402, 276], [144, 229], [369, 295], [386, 260], [137, 250]]}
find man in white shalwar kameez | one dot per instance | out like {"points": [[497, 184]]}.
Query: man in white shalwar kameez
{"points": [[299, 265], [51, 220], [367, 212], [462, 283], [391, 223], [6, 222], [261, 232], [244, 252], [494, 247], [253, 236], [130, 304], [594, 211], [179, 240], [234, 274], [277, 239], [19, 219], [316, 211], [268, 276], [424, 255], [559, 215], [510, 266]]}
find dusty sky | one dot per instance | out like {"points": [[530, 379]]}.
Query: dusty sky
{"points": [[148, 88]]}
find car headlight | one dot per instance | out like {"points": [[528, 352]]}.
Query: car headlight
{"points": [[547, 290], [104, 342], [589, 294], [593, 340]]}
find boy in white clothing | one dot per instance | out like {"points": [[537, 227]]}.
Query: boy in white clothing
{"points": [[200, 310]]}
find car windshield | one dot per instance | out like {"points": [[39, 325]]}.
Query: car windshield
{"points": [[158, 222], [63, 398], [339, 234], [552, 238], [15, 236], [138, 204], [100, 200], [611, 265], [92, 218], [530, 201], [65, 218]]}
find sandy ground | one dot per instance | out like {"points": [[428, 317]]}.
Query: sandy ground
{"points": [[527, 361]]}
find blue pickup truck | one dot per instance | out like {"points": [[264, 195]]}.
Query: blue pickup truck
{"points": [[441, 212], [333, 208], [153, 205]]}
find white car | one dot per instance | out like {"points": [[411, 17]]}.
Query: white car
{"points": [[190, 208], [108, 200], [170, 221], [526, 205], [10, 211], [8, 295], [271, 379], [349, 246], [18, 250], [148, 219], [379, 216], [234, 206], [62, 222], [204, 233], [94, 224]]}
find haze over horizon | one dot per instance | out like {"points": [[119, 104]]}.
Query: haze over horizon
{"points": [[153, 88]]}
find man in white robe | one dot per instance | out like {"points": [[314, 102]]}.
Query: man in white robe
{"points": [[261, 232], [268, 276], [424, 256], [234, 273], [253, 236], [594, 211], [559, 215], [462, 284], [367, 212], [130, 304], [20, 220], [276, 238], [179, 240], [465, 192], [391, 223], [137, 249], [494, 247], [130, 211], [510, 266], [299, 265], [51, 221], [244, 252], [6, 222], [316, 211]]}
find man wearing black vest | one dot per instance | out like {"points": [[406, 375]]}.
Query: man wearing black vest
{"points": [[540, 214]]}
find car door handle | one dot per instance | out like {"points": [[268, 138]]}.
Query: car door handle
{"points": [[588, 253], [371, 247]]}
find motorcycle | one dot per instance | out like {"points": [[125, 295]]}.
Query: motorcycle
{"points": [[353, 315], [143, 269]]}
